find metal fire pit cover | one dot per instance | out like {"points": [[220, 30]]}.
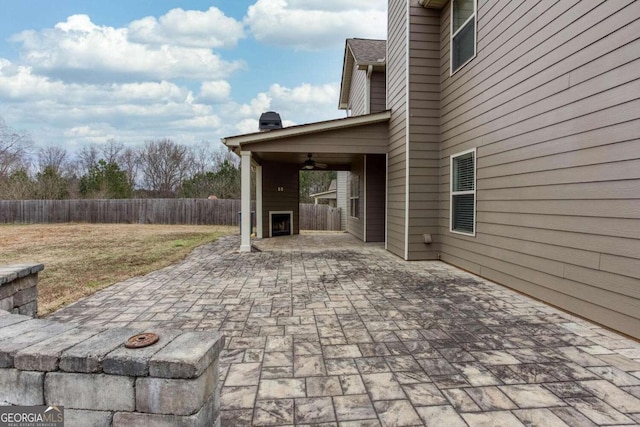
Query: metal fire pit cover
{"points": [[142, 340]]}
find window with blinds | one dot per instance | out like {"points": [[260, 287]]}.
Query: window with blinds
{"points": [[354, 196], [463, 192], [463, 32]]}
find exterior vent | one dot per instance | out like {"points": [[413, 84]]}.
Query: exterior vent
{"points": [[270, 120]]}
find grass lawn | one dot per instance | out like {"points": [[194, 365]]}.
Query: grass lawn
{"points": [[80, 259]]}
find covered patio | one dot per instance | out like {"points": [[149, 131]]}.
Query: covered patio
{"points": [[355, 144]]}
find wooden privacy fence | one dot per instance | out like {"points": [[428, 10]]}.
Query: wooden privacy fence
{"points": [[319, 217], [150, 211]]}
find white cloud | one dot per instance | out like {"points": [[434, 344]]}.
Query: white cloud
{"points": [[193, 28], [94, 133], [214, 91], [338, 5], [305, 103], [257, 106], [20, 83], [301, 104], [246, 126], [75, 114], [80, 82], [79, 50], [313, 25], [305, 94]]}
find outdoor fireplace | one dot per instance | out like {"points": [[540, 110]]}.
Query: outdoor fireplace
{"points": [[280, 223]]}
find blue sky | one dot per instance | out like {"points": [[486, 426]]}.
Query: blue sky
{"points": [[80, 72]]}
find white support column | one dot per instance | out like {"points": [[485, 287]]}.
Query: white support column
{"points": [[259, 230], [245, 205]]}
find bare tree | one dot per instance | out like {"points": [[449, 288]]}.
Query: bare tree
{"points": [[17, 186], [87, 156], [53, 158], [111, 151], [164, 165], [223, 155], [206, 158], [14, 149], [130, 163], [202, 156]]}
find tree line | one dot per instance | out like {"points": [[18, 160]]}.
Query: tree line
{"points": [[160, 168]]}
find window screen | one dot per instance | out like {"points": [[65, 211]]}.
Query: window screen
{"points": [[463, 32], [463, 192]]}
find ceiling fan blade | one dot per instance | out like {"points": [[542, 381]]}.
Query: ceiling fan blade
{"points": [[321, 165]]}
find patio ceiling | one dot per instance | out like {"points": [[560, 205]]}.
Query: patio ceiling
{"points": [[336, 143], [335, 161]]}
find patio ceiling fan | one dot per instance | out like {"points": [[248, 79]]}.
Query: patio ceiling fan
{"points": [[311, 164]]}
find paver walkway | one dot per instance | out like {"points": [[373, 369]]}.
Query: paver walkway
{"points": [[324, 330]]}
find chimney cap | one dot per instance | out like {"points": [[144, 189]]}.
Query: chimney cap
{"points": [[270, 120]]}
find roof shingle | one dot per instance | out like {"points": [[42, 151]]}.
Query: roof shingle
{"points": [[368, 51]]}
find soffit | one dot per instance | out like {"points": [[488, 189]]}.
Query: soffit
{"points": [[433, 4]]}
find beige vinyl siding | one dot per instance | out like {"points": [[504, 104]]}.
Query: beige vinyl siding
{"points": [[286, 176], [378, 92], [356, 97], [370, 138], [355, 225], [424, 154], [397, 103], [375, 197], [342, 200], [552, 103]]}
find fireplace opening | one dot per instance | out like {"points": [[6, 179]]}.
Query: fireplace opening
{"points": [[280, 223]]}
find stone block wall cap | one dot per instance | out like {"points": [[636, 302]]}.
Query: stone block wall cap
{"points": [[187, 356], [11, 272], [134, 362], [87, 356]]}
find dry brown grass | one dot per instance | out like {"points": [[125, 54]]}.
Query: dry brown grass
{"points": [[80, 259]]}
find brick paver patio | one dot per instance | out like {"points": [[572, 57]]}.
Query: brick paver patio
{"points": [[325, 330]]}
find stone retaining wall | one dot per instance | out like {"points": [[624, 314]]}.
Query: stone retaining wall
{"points": [[18, 288], [100, 382]]}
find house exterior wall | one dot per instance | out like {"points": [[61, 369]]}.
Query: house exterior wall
{"points": [[397, 45], [355, 225], [375, 200], [413, 70], [378, 92], [283, 175], [424, 131], [371, 172], [552, 103], [342, 181], [356, 97]]}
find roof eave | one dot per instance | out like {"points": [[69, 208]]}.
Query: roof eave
{"points": [[238, 140], [345, 83], [377, 65], [432, 4]]}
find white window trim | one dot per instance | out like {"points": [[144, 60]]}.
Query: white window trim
{"points": [[352, 197], [452, 35], [460, 193]]}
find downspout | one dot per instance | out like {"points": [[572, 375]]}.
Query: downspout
{"points": [[367, 90]]}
